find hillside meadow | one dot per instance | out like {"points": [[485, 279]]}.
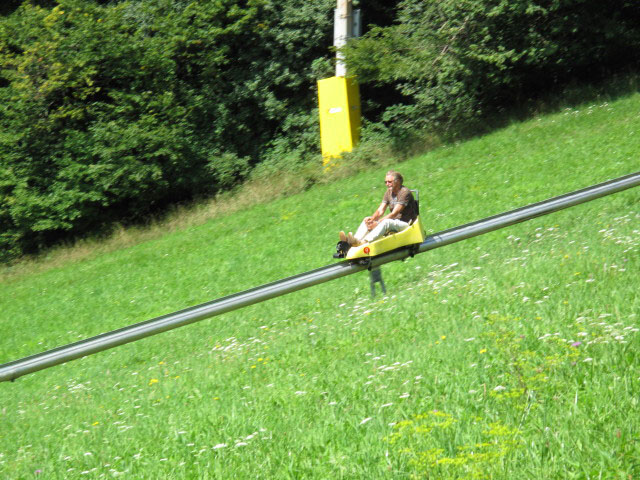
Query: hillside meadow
{"points": [[510, 355]]}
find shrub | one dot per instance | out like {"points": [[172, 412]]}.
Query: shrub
{"points": [[454, 61], [110, 111]]}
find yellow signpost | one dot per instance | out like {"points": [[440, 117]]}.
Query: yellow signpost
{"points": [[339, 96], [339, 105]]}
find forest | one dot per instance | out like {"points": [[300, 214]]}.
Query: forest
{"points": [[111, 111]]}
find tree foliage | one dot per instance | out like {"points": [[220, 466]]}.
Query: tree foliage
{"points": [[111, 109], [453, 60], [108, 111]]}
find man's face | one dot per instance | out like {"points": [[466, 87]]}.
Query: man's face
{"points": [[391, 183]]}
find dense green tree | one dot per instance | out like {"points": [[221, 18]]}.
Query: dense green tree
{"points": [[108, 111], [111, 109], [454, 60]]}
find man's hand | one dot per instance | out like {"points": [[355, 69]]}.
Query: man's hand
{"points": [[371, 223]]}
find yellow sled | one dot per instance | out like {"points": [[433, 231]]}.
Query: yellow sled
{"points": [[413, 234]]}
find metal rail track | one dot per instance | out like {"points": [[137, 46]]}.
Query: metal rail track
{"points": [[12, 370]]}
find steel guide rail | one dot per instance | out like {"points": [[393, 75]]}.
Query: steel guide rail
{"points": [[12, 370]]}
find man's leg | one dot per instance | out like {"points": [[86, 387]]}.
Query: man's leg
{"points": [[361, 232], [384, 227]]}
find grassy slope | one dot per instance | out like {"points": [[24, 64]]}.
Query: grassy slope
{"points": [[465, 369]]}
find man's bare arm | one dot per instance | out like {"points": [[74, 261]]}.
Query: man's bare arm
{"points": [[395, 213], [379, 212], [372, 220]]}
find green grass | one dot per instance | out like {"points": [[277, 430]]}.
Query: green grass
{"points": [[469, 367]]}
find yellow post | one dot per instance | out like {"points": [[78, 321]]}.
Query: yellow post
{"points": [[339, 104]]}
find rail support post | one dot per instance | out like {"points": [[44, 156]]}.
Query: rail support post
{"points": [[375, 276]]}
